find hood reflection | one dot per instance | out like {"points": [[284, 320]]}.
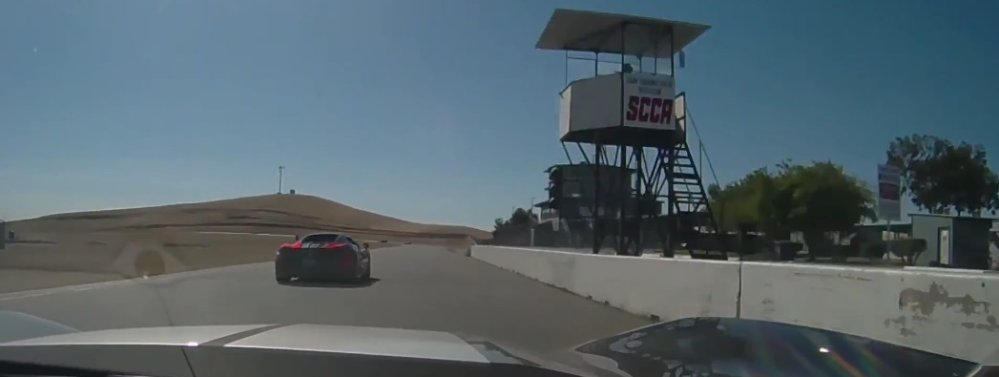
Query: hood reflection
{"points": [[738, 347]]}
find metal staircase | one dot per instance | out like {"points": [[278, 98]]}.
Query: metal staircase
{"points": [[689, 195], [696, 225]]}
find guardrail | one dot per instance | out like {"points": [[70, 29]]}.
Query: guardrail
{"points": [[948, 313]]}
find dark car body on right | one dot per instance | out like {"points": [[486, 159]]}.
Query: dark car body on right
{"points": [[719, 347], [322, 257]]}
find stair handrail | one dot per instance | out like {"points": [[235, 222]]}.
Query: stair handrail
{"points": [[701, 148]]}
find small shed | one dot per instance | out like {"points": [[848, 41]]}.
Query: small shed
{"points": [[953, 241]]}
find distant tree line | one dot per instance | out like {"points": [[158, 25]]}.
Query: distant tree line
{"points": [[820, 197], [939, 176], [519, 219], [812, 199], [513, 230]]}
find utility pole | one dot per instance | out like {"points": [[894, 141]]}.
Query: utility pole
{"points": [[530, 223], [280, 177]]}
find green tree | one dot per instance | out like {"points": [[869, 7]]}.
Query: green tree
{"points": [[813, 199], [744, 201], [972, 184], [918, 158], [819, 198], [940, 176], [822, 196], [519, 219]]}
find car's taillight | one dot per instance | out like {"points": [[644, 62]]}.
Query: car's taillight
{"points": [[293, 246], [334, 245]]}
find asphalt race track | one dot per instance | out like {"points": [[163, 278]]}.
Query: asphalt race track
{"points": [[414, 287]]}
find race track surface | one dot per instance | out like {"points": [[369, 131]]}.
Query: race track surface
{"points": [[414, 287]]}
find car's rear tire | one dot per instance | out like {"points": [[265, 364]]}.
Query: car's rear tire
{"points": [[280, 274], [358, 275]]}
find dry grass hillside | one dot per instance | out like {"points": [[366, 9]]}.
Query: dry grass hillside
{"points": [[286, 214], [86, 247]]}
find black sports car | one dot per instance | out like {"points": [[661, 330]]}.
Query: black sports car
{"points": [[323, 256]]}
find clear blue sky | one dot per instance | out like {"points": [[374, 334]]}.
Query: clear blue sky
{"points": [[443, 111]]}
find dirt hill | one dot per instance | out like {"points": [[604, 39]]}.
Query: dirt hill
{"points": [[255, 214]]}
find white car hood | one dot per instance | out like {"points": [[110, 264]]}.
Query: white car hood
{"points": [[300, 337]]}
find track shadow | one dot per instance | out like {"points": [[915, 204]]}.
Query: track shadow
{"points": [[331, 284]]}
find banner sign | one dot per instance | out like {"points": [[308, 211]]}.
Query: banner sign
{"points": [[648, 101], [889, 193]]}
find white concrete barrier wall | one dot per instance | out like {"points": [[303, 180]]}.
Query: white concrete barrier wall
{"points": [[952, 313], [948, 313], [669, 289]]}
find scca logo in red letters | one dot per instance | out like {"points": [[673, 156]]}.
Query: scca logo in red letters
{"points": [[649, 109]]}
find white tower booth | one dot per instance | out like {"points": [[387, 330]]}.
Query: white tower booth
{"points": [[619, 106]]}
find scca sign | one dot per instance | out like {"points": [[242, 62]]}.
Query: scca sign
{"points": [[654, 110], [648, 101]]}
